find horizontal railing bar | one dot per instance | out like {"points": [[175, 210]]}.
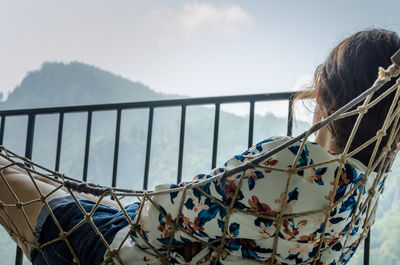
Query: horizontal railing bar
{"points": [[155, 103]]}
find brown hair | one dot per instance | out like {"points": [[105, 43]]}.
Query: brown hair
{"points": [[349, 70]]}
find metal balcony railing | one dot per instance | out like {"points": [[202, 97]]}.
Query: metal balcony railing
{"points": [[150, 105]]}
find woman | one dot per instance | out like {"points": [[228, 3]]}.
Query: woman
{"points": [[266, 225]]}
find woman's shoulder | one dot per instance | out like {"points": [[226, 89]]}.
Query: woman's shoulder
{"points": [[309, 153]]}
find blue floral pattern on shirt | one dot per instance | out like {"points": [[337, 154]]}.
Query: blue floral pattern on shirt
{"points": [[263, 192]]}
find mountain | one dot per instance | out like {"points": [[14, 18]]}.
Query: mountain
{"points": [[75, 83]]}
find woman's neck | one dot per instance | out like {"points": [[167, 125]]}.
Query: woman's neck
{"points": [[324, 138]]}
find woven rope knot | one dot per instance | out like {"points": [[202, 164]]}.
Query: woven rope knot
{"points": [[278, 219], [362, 109], [113, 252], [88, 218], [18, 205], [37, 245], [384, 75], [381, 133], [42, 198], [24, 240], [364, 179], [372, 192], [106, 192], [292, 171], [63, 235], [386, 149], [19, 237], [342, 159]]}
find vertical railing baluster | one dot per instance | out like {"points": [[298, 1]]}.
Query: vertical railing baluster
{"points": [[290, 117], [87, 145], [29, 136], [28, 154], [59, 140], [251, 124], [3, 123], [367, 247], [215, 140], [148, 148], [181, 143], [116, 148]]}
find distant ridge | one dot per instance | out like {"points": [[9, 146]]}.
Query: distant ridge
{"points": [[76, 83]]}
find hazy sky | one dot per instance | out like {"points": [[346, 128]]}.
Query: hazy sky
{"points": [[196, 48]]}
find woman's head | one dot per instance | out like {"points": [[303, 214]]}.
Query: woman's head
{"points": [[349, 70]]}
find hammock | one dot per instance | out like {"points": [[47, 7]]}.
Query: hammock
{"points": [[380, 163]]}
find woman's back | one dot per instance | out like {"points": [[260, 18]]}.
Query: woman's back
{"points": [[260, 208]]}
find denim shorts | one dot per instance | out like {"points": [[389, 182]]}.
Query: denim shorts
{"points": [[86, 243]]}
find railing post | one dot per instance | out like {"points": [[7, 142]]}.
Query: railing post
{"points": [[148, 149], [367, 246], [3, 123], [181, 144], [116, 148], [290, 117], [215, 140], [251, 125], [87, 145], [29, 136], [59, 140]]}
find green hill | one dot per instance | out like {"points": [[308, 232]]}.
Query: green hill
{"points": [[59, 84]]}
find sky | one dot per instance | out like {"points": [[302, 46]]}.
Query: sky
{"points": [[193, 48]]}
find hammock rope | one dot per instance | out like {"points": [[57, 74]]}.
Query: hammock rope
{"points": [[380, 162]]}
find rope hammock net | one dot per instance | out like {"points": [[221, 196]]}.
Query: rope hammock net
{"points": [[216, 250]]}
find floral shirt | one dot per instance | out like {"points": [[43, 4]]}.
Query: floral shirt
{"points": [[261, 191]]}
